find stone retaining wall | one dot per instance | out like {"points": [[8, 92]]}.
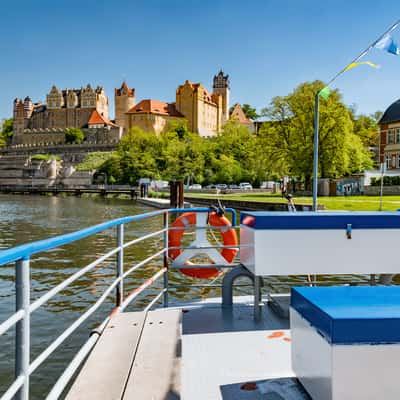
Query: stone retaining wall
{"points": [[376, 190]]}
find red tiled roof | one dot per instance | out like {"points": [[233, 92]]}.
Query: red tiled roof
{"points": [[150, 106], [97, 119]]}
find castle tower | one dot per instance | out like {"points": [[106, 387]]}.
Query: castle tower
{"points": [[28, 107], [19, 120], [221, 87], [124, 99]]}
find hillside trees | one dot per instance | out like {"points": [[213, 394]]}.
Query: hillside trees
{"points": [[282, 147], [288, 137]]}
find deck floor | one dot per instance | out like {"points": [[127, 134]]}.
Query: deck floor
{"points": [[224, 348], [205, 352]]}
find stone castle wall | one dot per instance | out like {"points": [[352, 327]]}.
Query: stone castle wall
{"points": [[51, 137]]}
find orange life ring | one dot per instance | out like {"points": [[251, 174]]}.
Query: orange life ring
{"points": [[188, 219]]}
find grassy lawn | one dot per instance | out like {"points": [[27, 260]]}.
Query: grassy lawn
{"points": [[350, 203]]}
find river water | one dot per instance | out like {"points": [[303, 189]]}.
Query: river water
{"points": [[28, 218]]}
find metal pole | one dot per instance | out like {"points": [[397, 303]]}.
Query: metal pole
{"points": [[381, 191], [120, 265], [22, 340], [165, 258], [315, 168], [257, 298]]}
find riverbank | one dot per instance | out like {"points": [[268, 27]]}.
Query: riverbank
{"points": [[348, 203]]}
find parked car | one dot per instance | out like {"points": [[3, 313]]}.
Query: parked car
{"points": [[222, 186], [211, 187], [233, 187], [195, 186], [245, 186]]}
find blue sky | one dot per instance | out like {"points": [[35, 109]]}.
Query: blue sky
{"points": [[267, 47]]}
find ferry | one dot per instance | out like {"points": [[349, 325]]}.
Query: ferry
{"points": [[321, 341]]}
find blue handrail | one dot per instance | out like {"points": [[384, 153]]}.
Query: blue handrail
{"points": [[24, 251], [24, 366]]}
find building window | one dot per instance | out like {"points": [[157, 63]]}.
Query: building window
{"points": [[387, 161], [398, 135], [390, 136], [398, 160]]}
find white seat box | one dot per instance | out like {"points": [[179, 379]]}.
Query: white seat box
{"points": [[346, 341], [283, 243]]}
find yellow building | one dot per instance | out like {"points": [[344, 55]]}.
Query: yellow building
{"points": [[205, 113], [152, 115]]}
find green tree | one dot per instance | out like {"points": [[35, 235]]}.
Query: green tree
{"points": [[7, 130], [288, 138], [182, 155], [74, 135], [366, 128], [236, 143], [249, 111], [137, 154], [112, 168]]}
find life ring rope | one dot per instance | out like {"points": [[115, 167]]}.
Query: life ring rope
{"points": [[190, 219]]}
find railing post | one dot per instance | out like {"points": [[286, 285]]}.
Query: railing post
{"points": [[120, 265], [165, 258], [22, 339]]}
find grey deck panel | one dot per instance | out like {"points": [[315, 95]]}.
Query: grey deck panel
{"points": [[156, 369], [222, 347], [105, 373]]}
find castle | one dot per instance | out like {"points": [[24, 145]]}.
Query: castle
{"points": [[87, 109]]}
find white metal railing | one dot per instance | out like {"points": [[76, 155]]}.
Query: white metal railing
{"points": [[21, 256]]}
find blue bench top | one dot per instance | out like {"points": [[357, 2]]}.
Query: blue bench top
{"points": [[351, 314], [320, 220]]}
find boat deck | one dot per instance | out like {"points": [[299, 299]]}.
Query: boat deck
{"points": [[194, 351]]}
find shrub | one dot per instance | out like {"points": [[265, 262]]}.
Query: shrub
{"points": [[94, 160], [387, 181], [45, 157], [74, 135]]}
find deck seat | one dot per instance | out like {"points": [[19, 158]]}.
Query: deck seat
{"points": [[136, 357]]}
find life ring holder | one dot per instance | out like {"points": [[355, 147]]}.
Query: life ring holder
{"points": [[201, 220]]}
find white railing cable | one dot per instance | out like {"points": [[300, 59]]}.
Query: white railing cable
{"points": [[141, 263], [140, 289], [138, 240], [13, 389], [63, 380], [42, 357], [39, 302], [8, 323], [151, 304]]}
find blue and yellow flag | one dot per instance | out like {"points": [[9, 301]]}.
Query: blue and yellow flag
{"points": [[388, 44], [356, 64]]}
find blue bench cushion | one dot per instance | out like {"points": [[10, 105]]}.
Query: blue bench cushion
{"points": [[351, 314], [320, 220]]}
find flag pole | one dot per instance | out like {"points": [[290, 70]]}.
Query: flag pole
{"points": [[315, 161], [316, 113]]}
